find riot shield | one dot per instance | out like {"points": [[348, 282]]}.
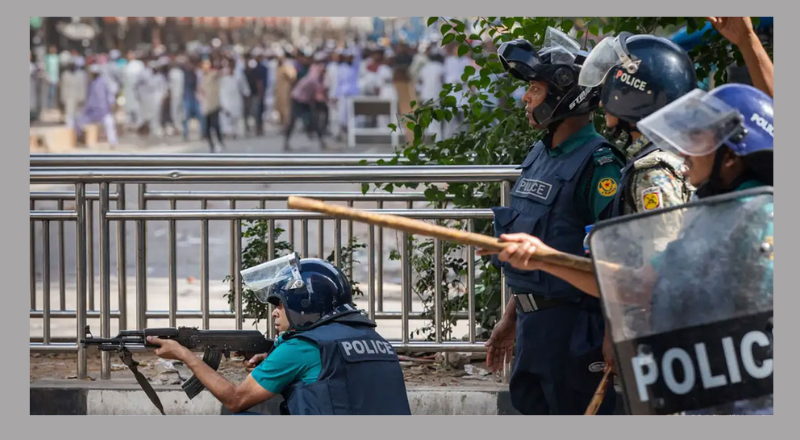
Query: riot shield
{"points": [[689, 306]]}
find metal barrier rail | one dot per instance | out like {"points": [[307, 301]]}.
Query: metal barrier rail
{"points": [[201, 160], [83, 215], [362, 174]]}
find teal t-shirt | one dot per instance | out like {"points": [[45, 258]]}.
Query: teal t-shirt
{"points": [[291, 361]]}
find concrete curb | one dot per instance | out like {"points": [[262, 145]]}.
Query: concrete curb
{"points": [[126, 398]]}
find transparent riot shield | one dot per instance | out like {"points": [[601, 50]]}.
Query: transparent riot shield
{"points": [[687, 295]]}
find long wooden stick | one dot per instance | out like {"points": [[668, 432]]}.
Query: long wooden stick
{"points": [[418, 227], [599, 394]]}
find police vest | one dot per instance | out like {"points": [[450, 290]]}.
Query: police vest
{"points": [[543, 205], [360, 375]]}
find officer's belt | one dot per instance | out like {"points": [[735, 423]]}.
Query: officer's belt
{"points": [[531, 302]]}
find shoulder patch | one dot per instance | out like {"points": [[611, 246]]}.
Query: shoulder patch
{"points": [[607, 187], [605, 155], [651, 198]]}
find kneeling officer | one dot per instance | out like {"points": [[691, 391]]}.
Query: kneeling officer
{"points": [[328, 359]]}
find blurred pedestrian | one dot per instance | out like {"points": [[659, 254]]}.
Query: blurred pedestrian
{"points": [[131, 72], [287, 75], [191, 103], [176, 88], [347, 75], [73, 93], [53, 72], [309, 91], [263, 75], [233, 91], [99, 105], [210, 102], [151, 89]]}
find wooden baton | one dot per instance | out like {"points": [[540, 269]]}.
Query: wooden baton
{"points": [[599, 394], [418, 227]]}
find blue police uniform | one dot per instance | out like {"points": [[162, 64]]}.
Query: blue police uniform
{"points": [[360, 373], [558, 360]]}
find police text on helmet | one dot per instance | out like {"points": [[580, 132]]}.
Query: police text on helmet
{"points": [[631, 80], [761, 122]]}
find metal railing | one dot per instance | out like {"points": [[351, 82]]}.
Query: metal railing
{"points": [[200, 160], [83, 216]]}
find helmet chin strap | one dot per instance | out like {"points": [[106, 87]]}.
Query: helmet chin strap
{"points": [[713, 186], [619, 129]]}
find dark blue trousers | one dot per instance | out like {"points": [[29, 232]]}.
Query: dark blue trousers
{"points": [[558, 363]]}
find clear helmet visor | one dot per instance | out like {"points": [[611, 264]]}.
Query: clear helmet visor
{"points": [[562, 47], [695, 124], [260, 278], [604, 57]]}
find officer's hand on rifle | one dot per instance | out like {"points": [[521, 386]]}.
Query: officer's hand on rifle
{"points": [[253, 362], [169, 349]]}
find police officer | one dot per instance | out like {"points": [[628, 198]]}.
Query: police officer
{"points": [[715, 164], [567, 180], [726, 138], [328, 358], [639, 75]]}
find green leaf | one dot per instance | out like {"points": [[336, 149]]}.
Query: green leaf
{"points": [[446, 28], [566, 25], [449, 101], [431, 193], [448, 39], [594, 30], [459, 25], [413, 104], [461, 38], [469, 70], [477, 49], [393, 127], [364, 188], [462, 50], [508, 22], [389, 188], [474, 37], [432, 20]]}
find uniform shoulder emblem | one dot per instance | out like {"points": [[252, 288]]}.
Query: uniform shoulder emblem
{"points": [[607, 187], [605, 155], [651, 198]]}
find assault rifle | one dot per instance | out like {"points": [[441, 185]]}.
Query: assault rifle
{"points": [[213, 344]]}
